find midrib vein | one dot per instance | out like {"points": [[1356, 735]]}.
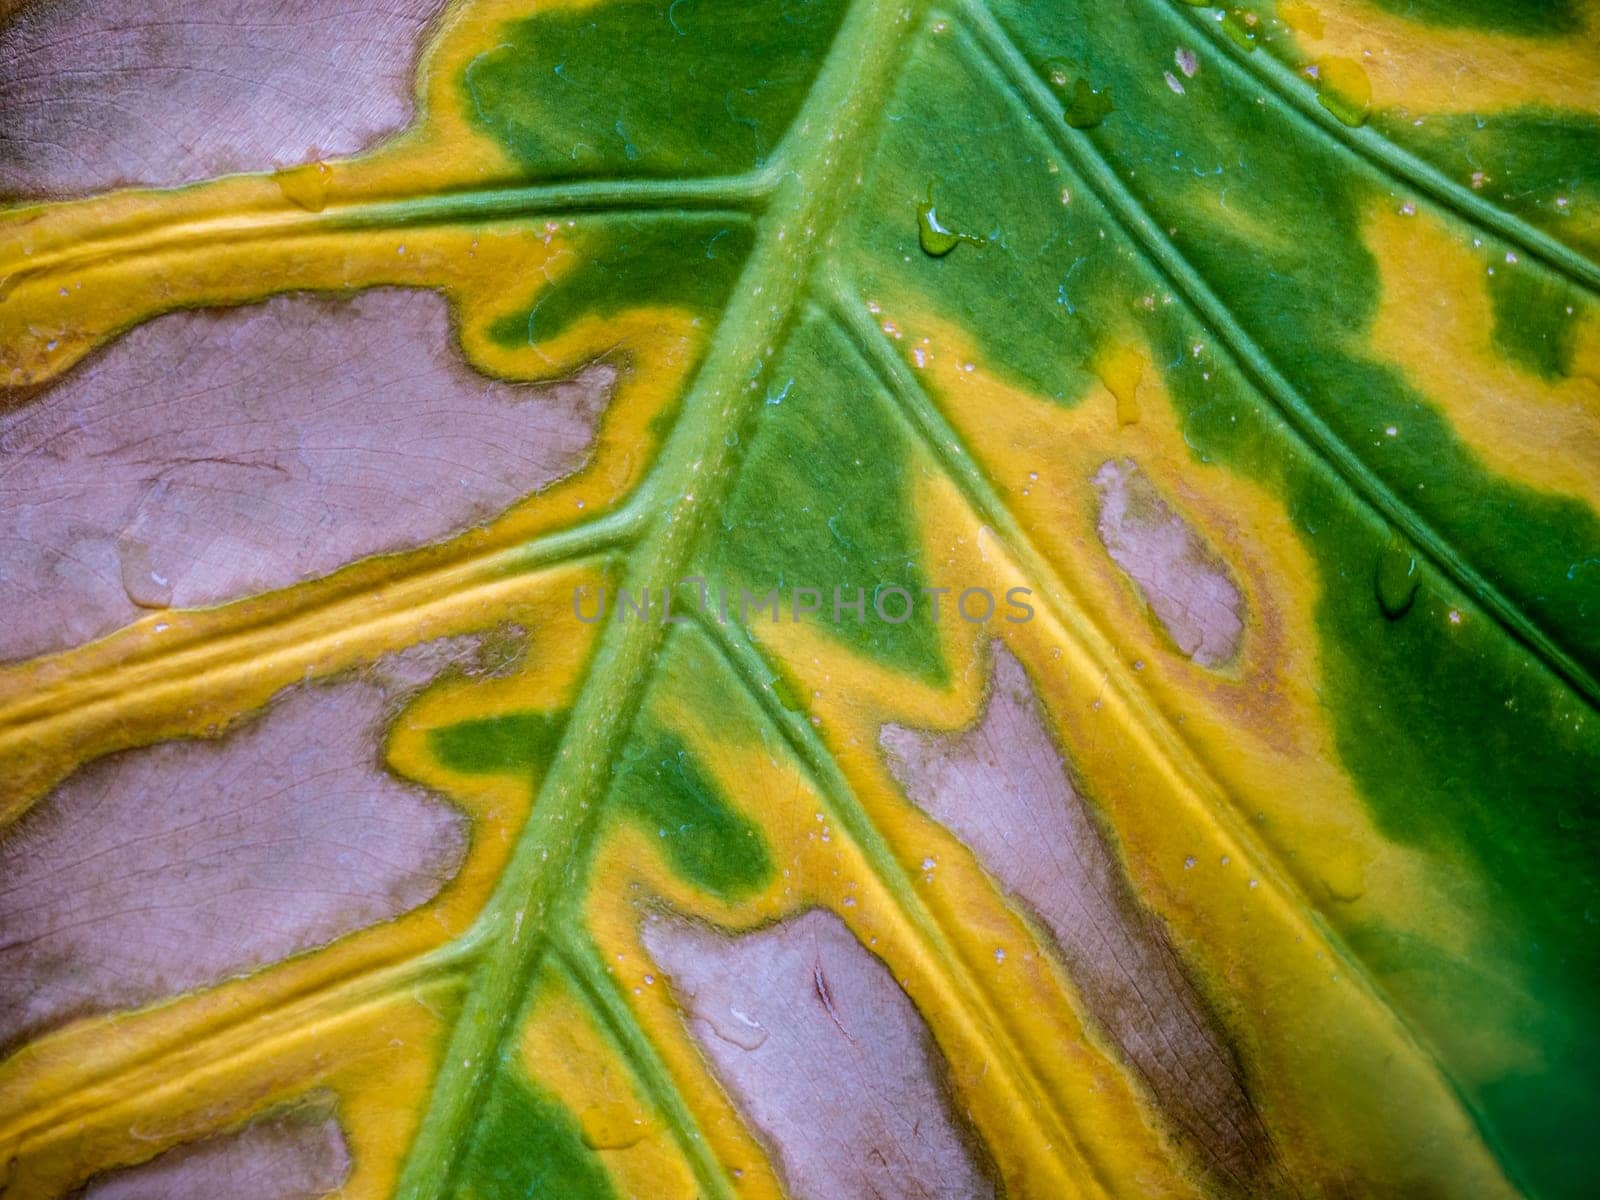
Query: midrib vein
{"points": [[827, 141]]}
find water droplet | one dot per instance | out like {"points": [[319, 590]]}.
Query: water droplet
{"points": [[936, 238], [739, 1028], [1344, 90], [1120, 368], [144, 585], [306, 185], [1300, 17], [1089, 105], [1188, 863], [1240, 26], [1395, 582], [611, 1127], [1084, 105]]}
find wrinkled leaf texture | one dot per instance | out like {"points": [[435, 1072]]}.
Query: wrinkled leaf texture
{"points": [[341, 346]]}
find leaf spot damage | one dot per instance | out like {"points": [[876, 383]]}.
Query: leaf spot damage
{"points": [[100, 94], [155, 871], [212, 454], [1182, 580], [857, 1111], [296, 1155], [1002, 788]]}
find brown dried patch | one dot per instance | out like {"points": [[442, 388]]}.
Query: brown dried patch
{"points": [[210, 455], [825, 1056], [1180, 578], [99, 94], [156, 871], [1002, 788], [294, 1156]]}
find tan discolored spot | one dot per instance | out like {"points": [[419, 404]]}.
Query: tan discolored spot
{"points": [[155, 871], [1002, 788], [294, 1156], [825, 1056], [210, 455], [98, 94], [1182, 581]]}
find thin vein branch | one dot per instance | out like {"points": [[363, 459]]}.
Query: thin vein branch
{"points": [[685, 492], [598, 990]]}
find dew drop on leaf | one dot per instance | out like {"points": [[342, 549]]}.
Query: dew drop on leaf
{"points": [[1344, 90], [1240, 26], [1089, 105], [1396, 580], [936, 238], [611, 1126], [1085, 105], [305, 186], [739, 1028], [1120, 368]]}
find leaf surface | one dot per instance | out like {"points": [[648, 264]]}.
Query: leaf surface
{"points": [[1125, 478]]}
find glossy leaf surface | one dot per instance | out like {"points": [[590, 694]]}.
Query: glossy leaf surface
{"points": [[1199, 800]]}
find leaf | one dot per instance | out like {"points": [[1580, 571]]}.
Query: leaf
{"points": [[799, 598]]}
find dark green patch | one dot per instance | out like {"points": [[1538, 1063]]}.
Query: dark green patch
{"points": [[688, 87], [527, 1146], [1536, 315], [660, 786], [518, 743], [824, 501], [1529, 17], [637, 261]]}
